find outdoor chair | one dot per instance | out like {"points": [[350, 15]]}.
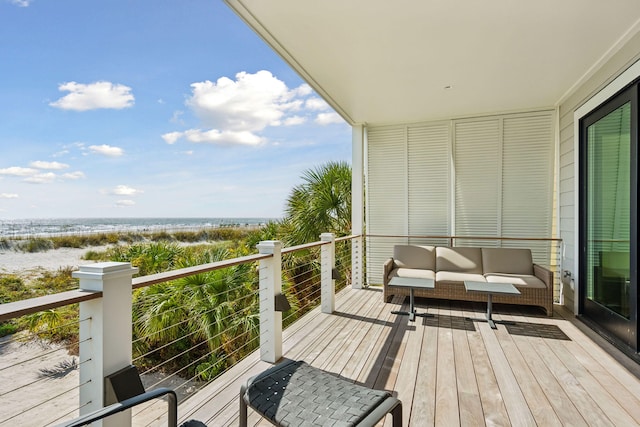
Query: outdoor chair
{"points": [[296, 394], [124, 390]]}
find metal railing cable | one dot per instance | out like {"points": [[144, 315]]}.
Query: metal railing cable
{"points": [[220, 347]]}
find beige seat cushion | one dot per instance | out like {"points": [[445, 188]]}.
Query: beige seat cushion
{"points": [[456, 277], [413, 273], [519, 280], [507, 260], [410, 256], [464, 260]]}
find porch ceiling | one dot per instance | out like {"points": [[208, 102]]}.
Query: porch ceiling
{"points": [[380, 61]]}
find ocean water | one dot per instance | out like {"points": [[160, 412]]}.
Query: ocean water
{"points": [[64, 226]]}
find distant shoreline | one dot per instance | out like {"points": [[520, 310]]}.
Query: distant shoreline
{"points": [[33, 228], [28, 256]]}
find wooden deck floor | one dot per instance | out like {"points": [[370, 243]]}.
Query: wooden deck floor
{"points": [[450, 371]]}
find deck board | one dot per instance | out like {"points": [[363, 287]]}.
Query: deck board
{"points": [[447, 370]]}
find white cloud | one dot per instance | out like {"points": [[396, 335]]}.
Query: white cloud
{"points": [[93, 96], [316, 104], [177, 117], [41, 178], [303, 90], [18, 171], [215, 136], [250, 103], [328, 118], [21, 3], [106, 150], [74, 175], [60, 153], [172, 137], [8, 196], [48, 165], [237, 111], [124, 190], [294, 120], [125, 203]]}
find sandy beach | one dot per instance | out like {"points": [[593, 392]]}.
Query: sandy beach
{"points": [[25, 264]]}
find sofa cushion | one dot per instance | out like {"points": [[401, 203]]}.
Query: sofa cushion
{"points": [[456, 277], [413, 272], [507, 260], [520, 280], [410, 256], [466, 260]]}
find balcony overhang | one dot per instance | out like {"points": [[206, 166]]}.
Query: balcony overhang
{"points": [[377, 62]]}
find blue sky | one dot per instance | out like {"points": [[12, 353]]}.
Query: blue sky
{"points": [[151, 108]]}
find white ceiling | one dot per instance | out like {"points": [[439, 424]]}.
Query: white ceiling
{"points": [[384, 61]]}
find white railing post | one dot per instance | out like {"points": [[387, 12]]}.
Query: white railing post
{"points": [[105, 336], [270, 286], [327, 264], [357, 264]]}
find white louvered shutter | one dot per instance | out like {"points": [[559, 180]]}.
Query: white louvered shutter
{"points": [[477, 160], [386, 194], [428, 180], [527, 180]]}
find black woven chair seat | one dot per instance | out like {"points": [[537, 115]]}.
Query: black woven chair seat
{"points": [[296, 394]]}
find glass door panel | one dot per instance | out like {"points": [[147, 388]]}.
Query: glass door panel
{"points": [[608, 210], [609, 216]]}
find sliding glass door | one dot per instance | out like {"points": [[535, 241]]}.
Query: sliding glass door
{"points": [[609, 213]]}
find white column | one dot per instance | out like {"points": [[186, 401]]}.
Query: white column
{"points": [[327, 264], [270, 285], [357, 204], [105, 332]]}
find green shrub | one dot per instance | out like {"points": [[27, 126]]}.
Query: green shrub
{"points": [[189, 236], [37, 244], [161, 236], [95, 256], [12, 288], [5, 244], [71, 241], [7, 329]]}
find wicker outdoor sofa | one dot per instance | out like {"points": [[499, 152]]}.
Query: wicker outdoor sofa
{"points": [[449, 267]]}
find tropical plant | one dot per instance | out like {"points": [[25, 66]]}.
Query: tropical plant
{"points": [[212, 315], [321, 204]]}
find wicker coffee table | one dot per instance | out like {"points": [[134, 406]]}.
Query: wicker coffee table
{"points": [[490, 288], [411, 283]]}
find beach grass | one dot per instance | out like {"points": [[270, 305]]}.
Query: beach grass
{"points": [[42, 244]]}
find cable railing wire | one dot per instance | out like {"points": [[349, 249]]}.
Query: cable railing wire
{"points": [[307, 273], [41, 403]]}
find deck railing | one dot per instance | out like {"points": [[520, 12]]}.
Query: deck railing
{"points": [[167, 350], [112, 303]]}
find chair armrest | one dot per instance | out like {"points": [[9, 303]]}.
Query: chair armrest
{"points": [[387, 267], [130, 403], [543, 274]]}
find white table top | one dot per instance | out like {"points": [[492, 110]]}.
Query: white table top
{"points": [[491, 287], [411, 282]]}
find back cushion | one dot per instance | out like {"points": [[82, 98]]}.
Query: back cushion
{"points": [[468, 260], [410, 256], [507, 260]]}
